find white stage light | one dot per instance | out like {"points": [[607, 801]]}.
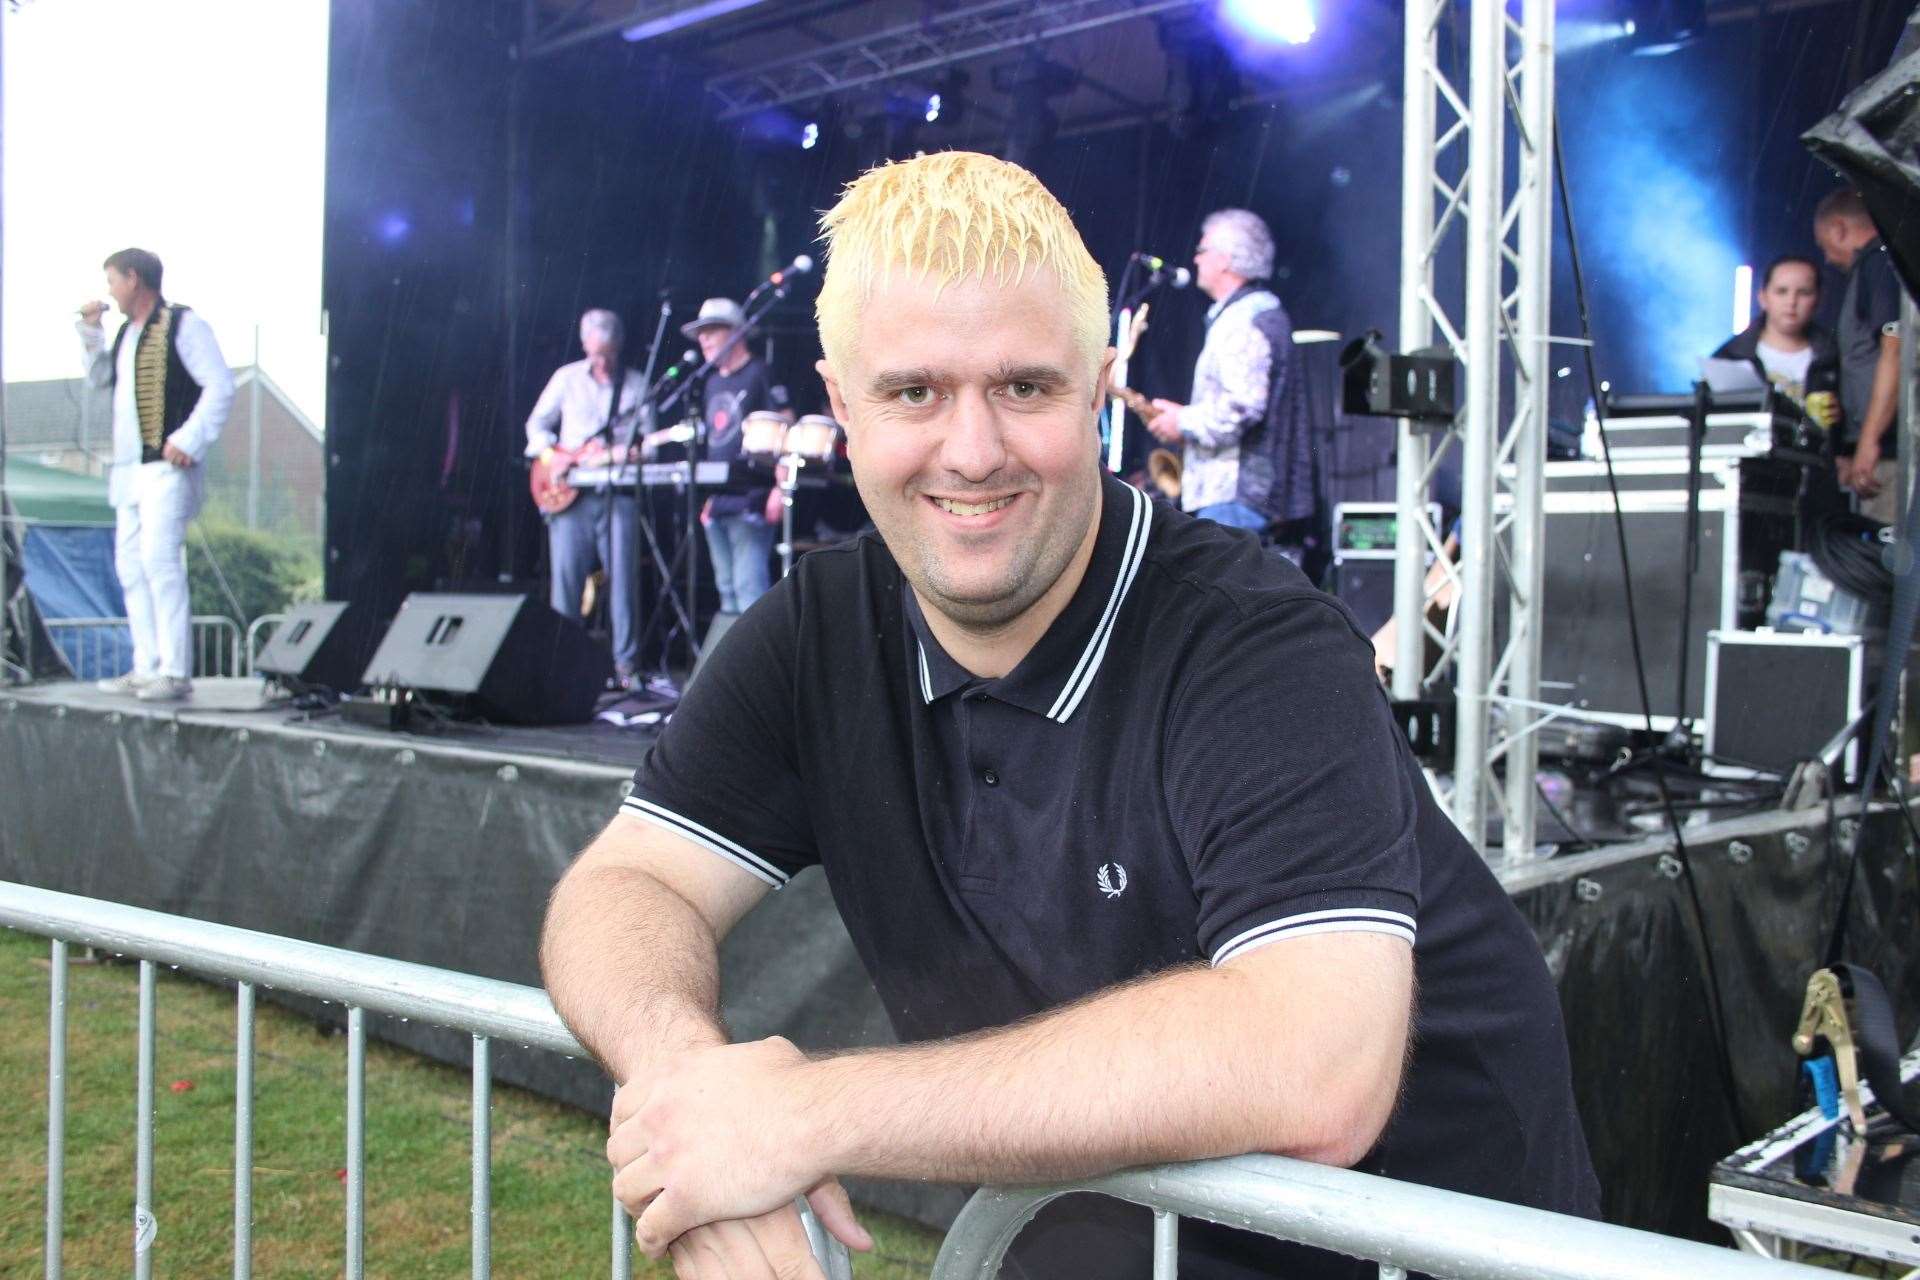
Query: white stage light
{"points": [[933, 108], [1288, 20], [810, 136], [1742, 298]]}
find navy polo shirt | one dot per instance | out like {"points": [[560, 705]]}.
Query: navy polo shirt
{"points": [[1194, 761]]}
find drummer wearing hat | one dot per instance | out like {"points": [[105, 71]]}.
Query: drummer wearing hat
{"points": [[740, 526]]}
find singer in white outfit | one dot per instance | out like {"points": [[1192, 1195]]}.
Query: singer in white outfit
{"points": [[171, 393]]}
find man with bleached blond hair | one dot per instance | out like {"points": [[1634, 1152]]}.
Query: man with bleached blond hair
{"points": [[1109, 800]]}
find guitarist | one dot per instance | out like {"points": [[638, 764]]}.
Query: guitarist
{"points": [[589, 406], [1244, 434]]}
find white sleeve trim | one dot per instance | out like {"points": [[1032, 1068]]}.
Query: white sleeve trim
{"points": [[1335, 920], [713, 842]]}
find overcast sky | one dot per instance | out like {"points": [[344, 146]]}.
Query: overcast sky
{"points": [[194, 128]]}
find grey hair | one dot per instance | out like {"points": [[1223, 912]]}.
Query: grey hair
{"points": [[1248, 243], [608, 323]]}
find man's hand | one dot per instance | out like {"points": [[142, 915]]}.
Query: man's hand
{"points": [[772, 511], [719, 1134], [772, 1246], [706, 513], [1165, 423], [177, 456], [92, 310], [1859, 478]]}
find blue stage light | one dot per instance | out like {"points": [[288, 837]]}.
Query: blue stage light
{"points": [[810, 136], [393, 227], [1288, 20]]}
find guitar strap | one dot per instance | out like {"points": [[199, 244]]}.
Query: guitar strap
{"points": [[613, 413]]}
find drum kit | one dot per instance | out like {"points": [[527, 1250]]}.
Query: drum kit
{"points": [[813, 440]]}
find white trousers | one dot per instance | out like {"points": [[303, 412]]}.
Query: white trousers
{"points": [[149, 556]]}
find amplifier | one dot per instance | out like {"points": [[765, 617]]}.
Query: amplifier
{"points": [[1775, 698], [1367, 530], [1586, 656], [1364, 537]]}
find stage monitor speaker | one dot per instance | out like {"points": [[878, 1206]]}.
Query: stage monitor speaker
{"points": [[1775, 698], [507, 658], [323, 645], [1367, 587]]}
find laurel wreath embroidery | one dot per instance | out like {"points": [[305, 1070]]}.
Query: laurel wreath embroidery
{"points": [[1115, 885]]}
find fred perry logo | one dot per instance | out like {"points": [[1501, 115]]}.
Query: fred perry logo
{"points": [[1112, 879]]}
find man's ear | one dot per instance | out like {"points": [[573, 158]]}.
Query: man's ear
{"points": [[834, 398], [1104, 379]]}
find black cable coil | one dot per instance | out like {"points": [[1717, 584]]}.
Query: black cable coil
{"points": [[1847, 549]]}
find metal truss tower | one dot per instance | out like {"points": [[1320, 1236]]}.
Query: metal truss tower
{"points": [[1508, 233]]}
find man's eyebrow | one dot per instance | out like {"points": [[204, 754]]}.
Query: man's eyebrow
{"points": [[894, 381], [1044, 375]]}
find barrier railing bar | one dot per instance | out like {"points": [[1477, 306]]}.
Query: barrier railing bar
{"points": [[622, 1242], [144, 1226], [243, 1136], [442, 997], [838, 1265], [254, 629], [1402, 1225], [212, 632], [56, 1108], [1166, 1245], [484, 1008], [356, 1141], [482, 1158]]}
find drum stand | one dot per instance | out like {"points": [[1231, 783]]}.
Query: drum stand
{"points": [[789, 481]]}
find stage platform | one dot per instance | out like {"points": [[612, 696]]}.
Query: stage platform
{"points": [[441, 848]]}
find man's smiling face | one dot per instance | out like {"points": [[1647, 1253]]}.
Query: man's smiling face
{"points": [[970, 426]]}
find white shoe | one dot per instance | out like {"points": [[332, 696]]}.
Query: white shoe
{"points": [[128, 684], [165, 689]]}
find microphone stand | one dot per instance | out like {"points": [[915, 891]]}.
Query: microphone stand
{"points": [[653, 350], [1154, 281], [643, 498], [1696, 441]]}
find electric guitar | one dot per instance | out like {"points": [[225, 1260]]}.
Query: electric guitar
{"points": [[547, 480], [1141, 405]]}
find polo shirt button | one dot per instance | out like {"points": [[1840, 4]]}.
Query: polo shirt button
{"points": [[991, 778]]}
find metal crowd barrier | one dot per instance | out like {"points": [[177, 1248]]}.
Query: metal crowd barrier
{"points": [[1401, 1227], [218, 649], [267, 622], [482, 1007]]}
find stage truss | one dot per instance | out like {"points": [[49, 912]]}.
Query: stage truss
{"points": [[1502, 440]]}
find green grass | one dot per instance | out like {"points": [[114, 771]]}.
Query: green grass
{"points": [[550, 1183]]}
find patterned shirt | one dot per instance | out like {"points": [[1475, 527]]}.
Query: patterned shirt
{"points": [[1230, 385]]}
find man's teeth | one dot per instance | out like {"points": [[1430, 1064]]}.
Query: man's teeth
{"points": [[972, 508]]}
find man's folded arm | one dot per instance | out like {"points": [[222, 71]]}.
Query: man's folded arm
{"points": [[630, 948], [1294, 1048]]}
